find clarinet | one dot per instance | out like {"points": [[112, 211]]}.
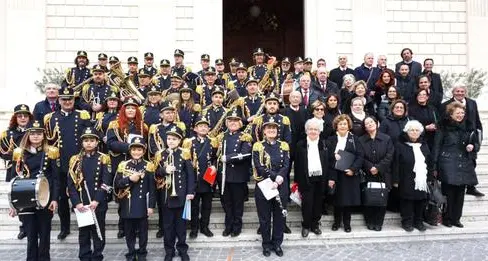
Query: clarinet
{"points": [[284, 212], [97, 226]]}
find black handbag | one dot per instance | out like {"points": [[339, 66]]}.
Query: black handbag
{"points": [[375, 194]]}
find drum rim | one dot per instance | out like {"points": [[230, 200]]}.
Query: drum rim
{"points": [[37, 187], [10, 192]]}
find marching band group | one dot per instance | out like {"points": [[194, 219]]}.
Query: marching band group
{"points": [[171, 137]]}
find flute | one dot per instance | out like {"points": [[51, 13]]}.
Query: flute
{"points": [[97, 226]]}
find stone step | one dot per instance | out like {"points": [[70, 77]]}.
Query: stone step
{"points": [[248, 237], [250, 220]]}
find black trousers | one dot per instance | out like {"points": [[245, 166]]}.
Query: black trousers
{"points": [[174, 228], [342, 213], [21, 227], [120, 224], [412, 211], [206, 208], [38, 228], [374, 215], [455, 201], [266, 210], [233, 204], [88, 234], [63, 203], [159, 201], [312, 199], [131, 225]]}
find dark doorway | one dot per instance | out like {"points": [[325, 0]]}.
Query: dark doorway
{"points": [[274, 25]]}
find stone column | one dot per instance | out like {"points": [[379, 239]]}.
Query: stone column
{"points": [[23, 48], [207, 30], [477, 40]]}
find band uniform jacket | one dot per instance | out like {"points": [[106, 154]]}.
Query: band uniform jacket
{"points": [[135, 197], [157, 136], [270, 161], [348, 192], [95, 170], [237, 168], [64, 129], [9, 140], [284, 130], [183, 178], [203, 153], [32, 164]]}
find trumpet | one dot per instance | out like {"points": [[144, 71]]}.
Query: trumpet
{"points": [[170, 179]]}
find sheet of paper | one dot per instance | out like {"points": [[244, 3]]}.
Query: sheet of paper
{"points": [[84, 218], [266, 187]]}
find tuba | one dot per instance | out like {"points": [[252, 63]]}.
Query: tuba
{"points": [[126, 86]]}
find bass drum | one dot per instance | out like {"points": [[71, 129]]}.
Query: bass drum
{"points": [[27, 194]]}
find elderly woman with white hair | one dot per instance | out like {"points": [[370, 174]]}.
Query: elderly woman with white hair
{"points": [[412, 169], [311, 172], [347, 91]]}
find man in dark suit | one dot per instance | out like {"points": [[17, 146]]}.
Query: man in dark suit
{"points": [[473, 121], [309, 95], [338, 73], [367, 72], [48, 105], [415, 67], [435, 80], [323, 84]]}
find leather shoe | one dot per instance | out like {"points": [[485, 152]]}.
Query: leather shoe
{"points": [[407, 228], [370, 227], [206, 232], [305, 232], [377, 228], [258, 231], [474, 192], [458, 224], [184, 257], [446, 223], [168, 257], [335, 227], [159, 234], [420, 227], [266, 252], [193, 234], [279, 251], [235, 234], [287, 230], [141, 258], [317, 231], [347, 229], [226, 233], [21, 235], [120, 234], [63, 235]]}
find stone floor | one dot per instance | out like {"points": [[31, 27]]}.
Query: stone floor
{"points": [[472, 249]]}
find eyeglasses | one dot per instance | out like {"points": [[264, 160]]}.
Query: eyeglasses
{"points": [[319, 109]]}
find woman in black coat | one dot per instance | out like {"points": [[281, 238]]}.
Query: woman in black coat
{"points": [[395, 122], [359, 88], [454, 151], [421, 110], [332, 109], [317, 110], [311, 179], [347, 183], [378, 152], [412, 170], [346, 91], [357, 115]]}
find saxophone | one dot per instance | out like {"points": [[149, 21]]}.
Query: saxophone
{"points": [[264, 83]]}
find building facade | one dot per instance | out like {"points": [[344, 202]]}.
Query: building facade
{"points": [[47, 33]]}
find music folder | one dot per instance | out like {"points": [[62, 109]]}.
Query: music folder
{"points": [[347, 158], [86, 218]]}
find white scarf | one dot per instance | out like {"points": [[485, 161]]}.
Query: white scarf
{"points": [[420, 168], [313, 156], [359, 116]]}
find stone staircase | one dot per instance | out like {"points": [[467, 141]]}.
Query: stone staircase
{"points": [[475, 219]]}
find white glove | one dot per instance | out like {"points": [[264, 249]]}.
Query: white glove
{"points": [[279, 180], [223, 159]]}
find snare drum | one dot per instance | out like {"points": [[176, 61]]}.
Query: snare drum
{"points": [[29, 193]]}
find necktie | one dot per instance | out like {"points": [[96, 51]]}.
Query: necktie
{"points": [[305, 97], [53, 106]]}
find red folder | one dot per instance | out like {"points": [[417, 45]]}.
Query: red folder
{"points": [[210, 175]]}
